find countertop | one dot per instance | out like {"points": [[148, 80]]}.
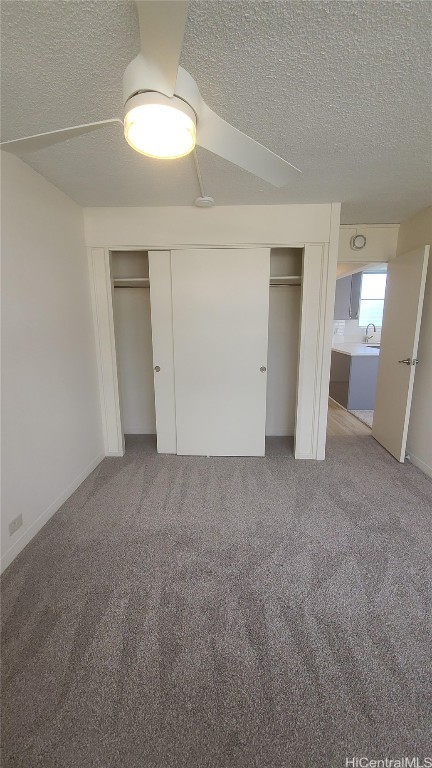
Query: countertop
{"points": [[355, 349]]}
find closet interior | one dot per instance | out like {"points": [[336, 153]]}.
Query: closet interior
{"points": [[133, 340], [286, 270]]}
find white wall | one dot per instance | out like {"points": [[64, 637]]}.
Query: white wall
{"points": [[381, 243], [222, 225], [51, 421], [413, 233]]}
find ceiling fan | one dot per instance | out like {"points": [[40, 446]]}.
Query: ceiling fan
{"points": [[165, 115]]}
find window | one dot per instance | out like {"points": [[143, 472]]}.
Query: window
{"points": [[372, 298]]}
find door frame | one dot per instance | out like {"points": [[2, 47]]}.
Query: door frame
{"points": [[316, 326]]}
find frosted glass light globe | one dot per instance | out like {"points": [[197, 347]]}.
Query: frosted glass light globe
{"points": [[158, 126]]}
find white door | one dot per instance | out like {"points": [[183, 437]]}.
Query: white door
{"points": [[220, 322], [403, 306], [162, 341]]}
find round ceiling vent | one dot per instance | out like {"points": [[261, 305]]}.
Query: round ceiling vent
{"points": [[358, 242], [204, 202]]}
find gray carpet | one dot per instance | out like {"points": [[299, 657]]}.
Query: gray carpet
{"points": [[224, 613]]}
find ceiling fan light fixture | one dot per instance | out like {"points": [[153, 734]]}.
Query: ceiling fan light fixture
{"points": [[158, 126]]}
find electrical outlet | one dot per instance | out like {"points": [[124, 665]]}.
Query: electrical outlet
{"points": [[15, 524]]}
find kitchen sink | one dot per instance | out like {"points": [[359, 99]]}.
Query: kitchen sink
{"points": [[374, 346]]}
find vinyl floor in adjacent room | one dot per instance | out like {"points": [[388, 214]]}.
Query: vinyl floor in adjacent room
{"points": [[183, 612]]}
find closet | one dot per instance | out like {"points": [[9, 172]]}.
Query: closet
{"points": [[207, 346], [133, 340], [286, 270]]}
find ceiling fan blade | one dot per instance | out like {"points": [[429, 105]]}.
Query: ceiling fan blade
{"points": [[218, 136], [162, 26], [42, 140]]}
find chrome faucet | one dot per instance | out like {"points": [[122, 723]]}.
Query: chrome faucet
{"points": [[367, 338]]}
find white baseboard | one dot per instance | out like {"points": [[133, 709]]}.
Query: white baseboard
{"points": [[114, 454], [420, 464], [308, 457], [33, 529]]}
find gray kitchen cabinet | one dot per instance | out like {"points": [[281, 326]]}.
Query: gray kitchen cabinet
{"points": [[356, 281], [342, 298], [353, 380], [347, 297]]}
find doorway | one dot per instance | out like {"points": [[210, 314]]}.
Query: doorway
{"points": [[401, 312], [356, 344]]}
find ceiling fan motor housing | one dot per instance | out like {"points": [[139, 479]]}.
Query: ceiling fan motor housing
{"points": [[139, 78], [152, 97]]}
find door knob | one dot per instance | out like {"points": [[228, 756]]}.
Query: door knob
{"points": [[406, 361], [263, 369], [157, 368]]}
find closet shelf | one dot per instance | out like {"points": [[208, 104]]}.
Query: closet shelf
{"points": [[131, 282], [285, 280]]}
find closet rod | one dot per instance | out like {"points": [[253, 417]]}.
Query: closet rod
{"points": [[271, 285]]}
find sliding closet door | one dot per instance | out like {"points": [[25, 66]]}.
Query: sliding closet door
{"points": [[220, 324], [163, 360]]}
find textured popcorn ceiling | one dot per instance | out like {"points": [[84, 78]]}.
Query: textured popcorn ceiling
{"points": [[341, 89]]}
